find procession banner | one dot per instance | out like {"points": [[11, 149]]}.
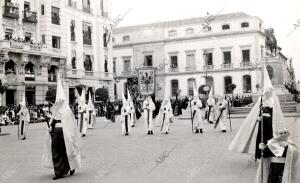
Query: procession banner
{"points": [[146, 80]]}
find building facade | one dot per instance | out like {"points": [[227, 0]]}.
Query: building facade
{"points": [[40, 39], [215, 50]]}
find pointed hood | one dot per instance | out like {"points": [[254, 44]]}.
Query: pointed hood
{"points": [[128, 95], [90, 101], [82, 97], [60, 95], [195, 91], [210, 95], [23, 102], [123, 98], [267, 85]]}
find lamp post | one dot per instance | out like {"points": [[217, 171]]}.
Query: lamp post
{"points": [[205, 64]]}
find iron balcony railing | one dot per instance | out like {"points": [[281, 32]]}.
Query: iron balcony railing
{"points": [[30, 16], [11, 12]]}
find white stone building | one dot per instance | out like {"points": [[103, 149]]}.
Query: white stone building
{"points": [[39, 38], [224, 49]]}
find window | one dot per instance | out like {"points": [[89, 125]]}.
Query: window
{"points": [[55, 15], [115, 91], [10, 67], [244, 24], [174, 87], [52, 73], [86, 6], [72, 30], [270, 71], [87, 33], [27, 37], [126, 66], [113, 39], [73, 61], [172, 33], [189, 31], [106, 37], [191, 83], [225, 27], [42, 9], [208, 58], [55, 42], [44, 39], [8, 34], [190, 60], [29, 72], [246, 55], [88, 64], [126, 38], [114, 64], [105, 64], [148, 60], [227, 83], [247, 84], [227, 57], [174, 61], [26, 6]]}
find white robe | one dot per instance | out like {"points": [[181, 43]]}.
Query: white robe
{"points": [[164, 116], [198, 118], [222, 107], [148, 107], [71, 138], [211, 114], [83, 118], [23, 121], [125, 114]]}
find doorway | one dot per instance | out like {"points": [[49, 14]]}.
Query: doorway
{"points": [[10, 97]]}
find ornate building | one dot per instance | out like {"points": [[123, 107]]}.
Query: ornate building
{"points": [[214, 50], [41, 38]]}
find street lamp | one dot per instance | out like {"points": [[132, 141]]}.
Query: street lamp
{"points": [[205, 64]]}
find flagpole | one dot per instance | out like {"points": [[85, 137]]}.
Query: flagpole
{"points": [[262, 127]]}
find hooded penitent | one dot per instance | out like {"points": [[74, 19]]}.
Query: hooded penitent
{"points": [[165, 108], [62, 111], [91, 112], [245, 139], [24, 118]]}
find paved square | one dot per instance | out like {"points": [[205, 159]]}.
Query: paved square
{"points": [[109, 157]]}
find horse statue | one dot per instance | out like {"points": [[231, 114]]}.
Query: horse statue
{"points": [[271, 42]]}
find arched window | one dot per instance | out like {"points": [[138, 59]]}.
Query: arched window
{"points": [[10, 67], [88, 64], [227, 83], [247, 84], [225, 26], [174, 87], [29, 68], [52, 73], [191, 83], [126, 38], [270, 71], [244, 24]]}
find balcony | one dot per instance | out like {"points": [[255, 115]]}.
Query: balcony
{"points": [[227, 66], [173, 69], [30, 17], [29, 77], [246, 64], [20, 45], [208, 67], [87, 41], [190, 69], [87, 9], [89, 73], [11, 11]]}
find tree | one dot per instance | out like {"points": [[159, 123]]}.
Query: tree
{"points": [[101, 94], [51, 96]]}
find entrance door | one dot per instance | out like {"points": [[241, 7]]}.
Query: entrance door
{"points": [[30, 95], [10, 97]]}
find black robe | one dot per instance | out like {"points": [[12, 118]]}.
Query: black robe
{"points": [[267, 133], [59, 153]]}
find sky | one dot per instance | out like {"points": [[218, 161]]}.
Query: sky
{"points": [[278, 14]]}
